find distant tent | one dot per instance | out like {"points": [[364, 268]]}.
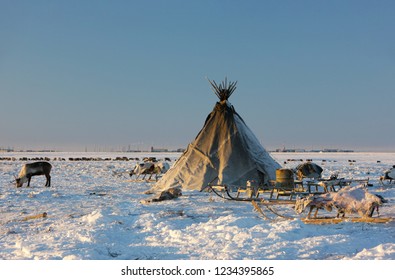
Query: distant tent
{"points": [[224, 152]]}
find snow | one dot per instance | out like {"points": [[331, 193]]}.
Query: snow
{"points": [[94, 213]]}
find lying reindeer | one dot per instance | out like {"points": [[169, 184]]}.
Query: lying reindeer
{"points": [[34, 169]]}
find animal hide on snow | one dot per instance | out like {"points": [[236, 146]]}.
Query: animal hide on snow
{"points": [[357, 200], [348, 200], [308, 170], [169, 194]]}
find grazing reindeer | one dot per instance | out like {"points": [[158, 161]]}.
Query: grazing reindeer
{"points": [[34, 169]]}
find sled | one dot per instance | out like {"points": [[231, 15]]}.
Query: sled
{"points": [[249, 194], [332, 220], [280, 191], [224, 192], [332, 185]]}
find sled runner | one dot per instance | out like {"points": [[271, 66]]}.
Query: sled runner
{"points": [[269, 206]]}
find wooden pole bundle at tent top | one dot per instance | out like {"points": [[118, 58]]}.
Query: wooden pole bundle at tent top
{"points": [[224, 90]]}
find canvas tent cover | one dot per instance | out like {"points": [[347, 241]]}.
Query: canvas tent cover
{"points": [[224, 152]]}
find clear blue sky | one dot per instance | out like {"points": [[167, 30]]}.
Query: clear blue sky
{"points": [[311, 74]]}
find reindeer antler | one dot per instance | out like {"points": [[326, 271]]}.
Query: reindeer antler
{"points": [[14, 180]]}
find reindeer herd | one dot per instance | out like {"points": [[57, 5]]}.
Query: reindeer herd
{"points": [[346, 200], [150, 166]]}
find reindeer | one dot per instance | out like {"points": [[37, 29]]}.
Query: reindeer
{"points": [[150, 168], [33, 169], [388, 175]]}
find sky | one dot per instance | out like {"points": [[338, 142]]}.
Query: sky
{"points": [[91, 75]]}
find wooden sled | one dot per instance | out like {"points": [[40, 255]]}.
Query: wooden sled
{"points": [[331, 220], [224, 192], [264, 204]]}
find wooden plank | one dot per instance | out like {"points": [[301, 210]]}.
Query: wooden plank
{"points": [[329, 220], [32, 217], [219, 188], [372, 220], [320, 221]]}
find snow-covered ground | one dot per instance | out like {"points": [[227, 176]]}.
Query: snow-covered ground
{"points": [[94, 213]]}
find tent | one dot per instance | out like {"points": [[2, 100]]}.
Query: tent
{"points": [[225, 151]]}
